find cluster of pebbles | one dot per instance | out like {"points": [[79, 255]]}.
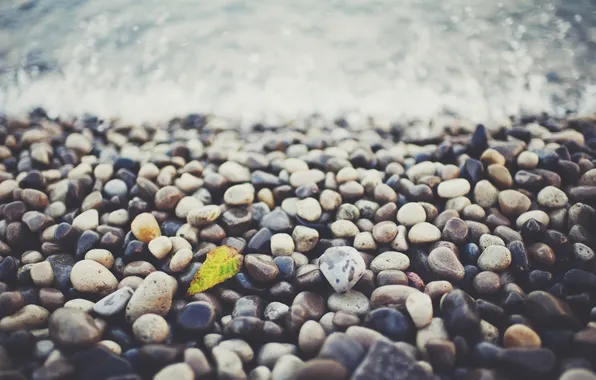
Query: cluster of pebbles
{"points": [[366, 255]]}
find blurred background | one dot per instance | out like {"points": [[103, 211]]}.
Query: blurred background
{"points": [[272, 60]]}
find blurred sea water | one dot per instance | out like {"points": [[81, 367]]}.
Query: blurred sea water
{"points": [[271, 60]]}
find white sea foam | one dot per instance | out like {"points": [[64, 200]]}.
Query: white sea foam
{"points": [[271, 60]]}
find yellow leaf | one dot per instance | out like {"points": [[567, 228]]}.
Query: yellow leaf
{"points": [[221, 264]]}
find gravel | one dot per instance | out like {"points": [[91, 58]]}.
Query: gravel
{"points": [[366, 254]]}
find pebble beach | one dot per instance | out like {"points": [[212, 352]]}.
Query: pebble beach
{"points": [[366, 253]]}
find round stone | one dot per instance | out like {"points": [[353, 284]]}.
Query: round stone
{"points": [[519, 335], [145, 227], [239, 195], [456, 231], [185, 205], [384, 232], [485, 194], [150, 329], [512, 202], [102, 256], [234, 172], [204, 215], [445, 263], [494, 258], [487, 283], [344, 229], [308, 209], [88, 220], [160, 247], [390, 260], [311, 338], [424, 233], [115, 188], [154, 295], [282, 245], [330, 200], [305, 177], [168, 197], [410, 214], [261, 268], [28, 317], [42, 274], [89, 276], [453, 188], [73, 328], [342, 267], [552, 197], [196, 317]]}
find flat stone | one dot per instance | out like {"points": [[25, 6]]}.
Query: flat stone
{"points": [[391, 295], [495, 258], [445, 264], [410, 214], [73, 328], [113, 303], [351, 301], [89, 276], [424, 233], [390, 260], [453, 188], [420, 308]]}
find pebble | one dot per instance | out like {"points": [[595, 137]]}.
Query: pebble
{"points": [[145, 227], [88, 220], [351, 301], [178, 371], [180, 260], [305, 238], [154, 295], [445, 264], [150, 329], [239, 195], [344, 229], [89, 276], [42, 274], [420, 307], [102, 256], [311, 338], [228, 364], [28, 317], [552, 197], [342, 267], [424, 233], [538, 215], [391, 295], [160, 247], [70, 327], [305, 177], [308, 209], [519, 335], [495, 258], [453, 188], [486, 194], [282, 245], [113, 303], [410, 214], [390, 260], [384, 232], [513, 203]]}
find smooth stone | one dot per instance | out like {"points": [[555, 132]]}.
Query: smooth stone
{"points": [[351, 301], [178, 371], [286, 367], [513, 203], [495, 258], [305, 239], [552, 197], [88, 220], [154, 295], [385, 361], [228, 364], [445, 264], [113, 303], [391, 295], [420, 307], [271, 352], [342, 267], [453, 188], [89, 276], [322, 369], [145, 227], [519, 335], [389, 322], [456, 231], [390, 260], [309, 209], [340, 347], [424, 233], [150, 329], [311, 338], [70, 327], [304, 177], [282, 244], [28, 317], [384, 232], [486, 194], [239, 195], [538, 215], [411, 214], [460, 314]]}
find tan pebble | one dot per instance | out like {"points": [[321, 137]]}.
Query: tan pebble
{"points": [[151, 329], [145, 227], [102, 256], [91, 277], [28, 317], [112, 346], [519, 335]]}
